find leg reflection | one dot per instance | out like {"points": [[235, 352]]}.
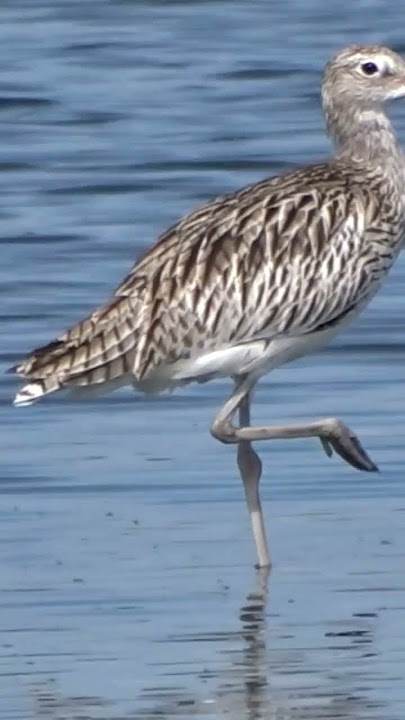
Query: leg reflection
{"points": [[253, 617]]}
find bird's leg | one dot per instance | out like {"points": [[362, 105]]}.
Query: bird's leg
{"points": [[250, 467], [333, 434]]}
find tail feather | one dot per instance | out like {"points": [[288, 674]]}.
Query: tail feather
{"points": [[104, 372], [35, 390], [98, 350]]}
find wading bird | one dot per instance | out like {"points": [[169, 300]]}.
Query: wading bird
{"points": [[256, 278]]}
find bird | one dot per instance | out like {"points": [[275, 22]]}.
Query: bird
{"points": [[255, 279]]}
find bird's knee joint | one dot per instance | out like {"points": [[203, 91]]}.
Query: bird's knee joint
{"points": [[335, 427], [224, 432]]}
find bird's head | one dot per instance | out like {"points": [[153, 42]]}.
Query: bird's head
{"points": [[366, 75]]}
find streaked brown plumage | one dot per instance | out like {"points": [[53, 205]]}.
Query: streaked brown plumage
{"points": [[192, 293], [257, 277]]}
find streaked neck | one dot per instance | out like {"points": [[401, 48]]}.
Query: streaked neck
{"points": [[364, 134]]}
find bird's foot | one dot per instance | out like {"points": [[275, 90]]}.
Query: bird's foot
{"points": [[340, 438]]}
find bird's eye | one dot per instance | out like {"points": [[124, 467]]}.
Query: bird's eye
{"points": [[369, 68]]}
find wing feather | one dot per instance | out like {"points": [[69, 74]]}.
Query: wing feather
{"points": [[281, 265], [282, 257]]}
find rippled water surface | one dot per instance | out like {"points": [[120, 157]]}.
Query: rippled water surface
{"points": [[127, 584]]}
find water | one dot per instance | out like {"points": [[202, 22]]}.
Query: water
{"points": [[127, 588]]}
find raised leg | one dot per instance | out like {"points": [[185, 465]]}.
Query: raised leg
{"points": [[333, 434], [250, 467]]}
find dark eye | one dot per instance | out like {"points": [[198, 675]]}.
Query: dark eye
{"points": [[369, 68]]}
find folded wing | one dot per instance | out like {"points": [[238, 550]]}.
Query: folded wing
{"points": [[282, 257]]}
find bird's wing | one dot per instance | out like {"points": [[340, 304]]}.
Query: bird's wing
{"points": [[284, 256], [266, 263]]}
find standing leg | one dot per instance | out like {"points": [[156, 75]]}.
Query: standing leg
{"points": [[332, 433], [250, 467]]}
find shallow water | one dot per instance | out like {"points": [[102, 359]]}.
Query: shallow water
{"points": [[127, 588]]}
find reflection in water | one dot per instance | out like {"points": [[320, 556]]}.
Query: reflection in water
{"points": [[249, 686], [250, 682]]}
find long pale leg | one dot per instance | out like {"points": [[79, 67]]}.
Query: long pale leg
{"points": [[333, 434], [250, 467]]}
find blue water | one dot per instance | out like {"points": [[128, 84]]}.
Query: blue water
{"points": [[127, 587]]}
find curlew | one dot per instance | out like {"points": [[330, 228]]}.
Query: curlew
{"points": [[256, 278]]}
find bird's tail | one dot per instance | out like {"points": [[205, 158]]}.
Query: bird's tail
{"points": [[34, 390], [98, 350]]}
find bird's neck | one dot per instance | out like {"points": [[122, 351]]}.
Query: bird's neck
{"points": [[365, 134]]}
